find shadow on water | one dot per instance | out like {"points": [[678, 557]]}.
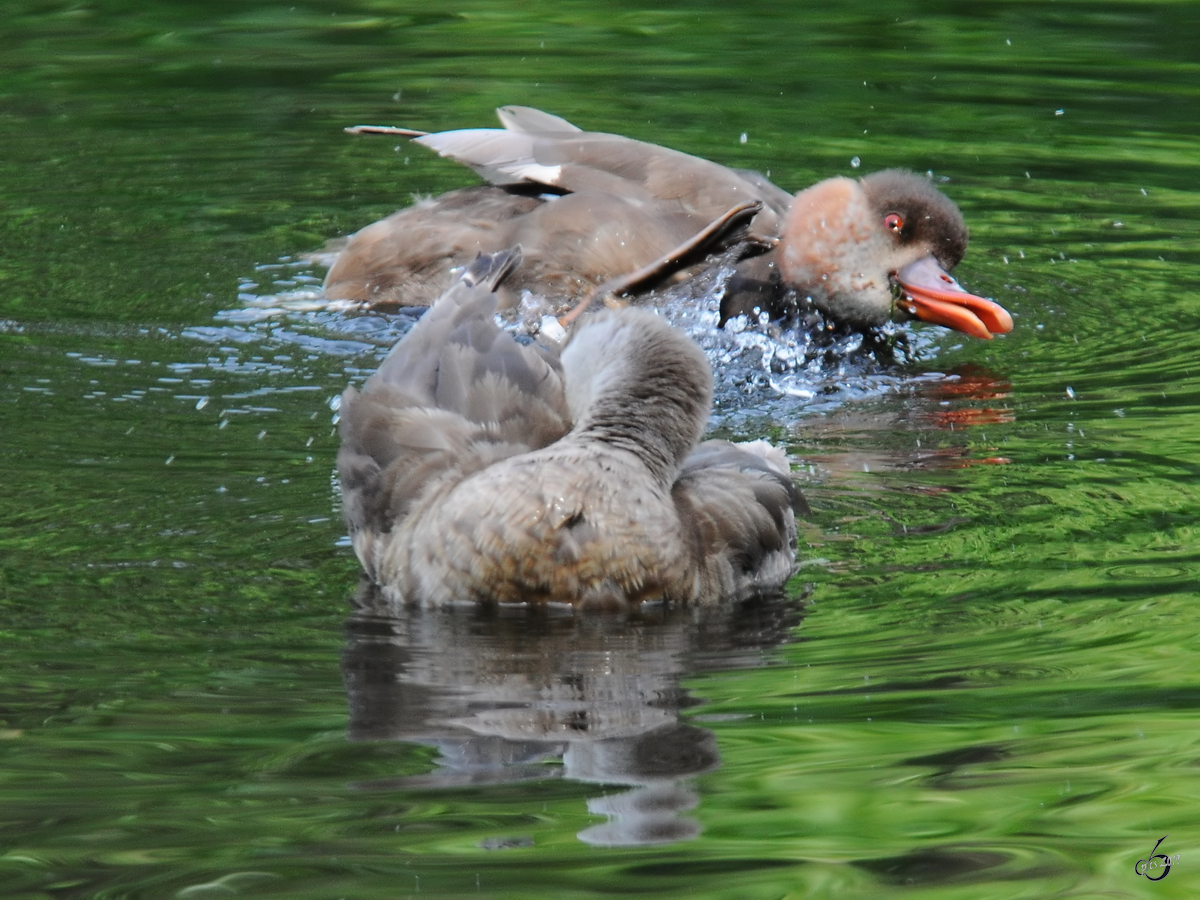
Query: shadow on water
{"points": [[518, 695]]}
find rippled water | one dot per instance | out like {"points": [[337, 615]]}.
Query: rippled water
{"points": [[983, 682]]}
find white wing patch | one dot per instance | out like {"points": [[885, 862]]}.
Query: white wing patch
{"points": [[536, 173]]}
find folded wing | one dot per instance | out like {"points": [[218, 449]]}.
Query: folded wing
{"points": [[455, 395], [536, 147], [740, 503]]}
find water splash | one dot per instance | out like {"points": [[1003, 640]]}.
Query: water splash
{"points": [[763, 370]]}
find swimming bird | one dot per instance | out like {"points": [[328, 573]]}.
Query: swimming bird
{"points": [[474, 468], [602, 213]]}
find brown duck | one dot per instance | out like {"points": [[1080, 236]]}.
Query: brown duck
{"points": [[477, 469], [601, 213]]}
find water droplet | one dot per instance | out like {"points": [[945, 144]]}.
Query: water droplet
{"points": [[743, 138], [855, 162]]}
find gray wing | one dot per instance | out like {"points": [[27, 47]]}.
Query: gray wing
{"points": [[406, 258], [500, 156], [740, 507], [531, 151], [456, 394]]}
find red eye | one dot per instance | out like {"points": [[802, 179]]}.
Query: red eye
{"points": [[893, 222]]}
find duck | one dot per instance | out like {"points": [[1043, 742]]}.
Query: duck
{"points": [[602, 214], [477, 469]]}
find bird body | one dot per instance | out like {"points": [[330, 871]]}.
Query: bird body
{"points": [[477, 469], [589, 208]]}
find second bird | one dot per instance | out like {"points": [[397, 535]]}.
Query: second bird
{"points": [[599, 212]]}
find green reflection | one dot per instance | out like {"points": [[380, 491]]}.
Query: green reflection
{"points": [[992, 692]]}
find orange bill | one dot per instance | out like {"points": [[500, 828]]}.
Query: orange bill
{"points": [[932, 295]]}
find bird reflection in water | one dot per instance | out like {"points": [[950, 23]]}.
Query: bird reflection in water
{"points": [[944, 412], [504, 694]]}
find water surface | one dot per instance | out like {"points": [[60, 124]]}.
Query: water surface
{"points": [[983, 680]]}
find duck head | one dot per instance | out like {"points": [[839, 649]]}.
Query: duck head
{"points": [[881, 249]]}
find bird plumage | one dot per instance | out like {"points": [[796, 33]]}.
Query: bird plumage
{"points": [[475, 468], [591, 208]]}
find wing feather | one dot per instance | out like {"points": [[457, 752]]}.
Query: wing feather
{"points": [[500, 156], [583, 161], [455, 395], [741, 510]]}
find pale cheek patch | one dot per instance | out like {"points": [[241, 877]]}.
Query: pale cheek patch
{"points": [[826, 225]]}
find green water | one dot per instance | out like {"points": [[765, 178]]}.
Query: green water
{"points": [[985, 682]]}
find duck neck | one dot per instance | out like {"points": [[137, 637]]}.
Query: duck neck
{"points": [[636, 384]]}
